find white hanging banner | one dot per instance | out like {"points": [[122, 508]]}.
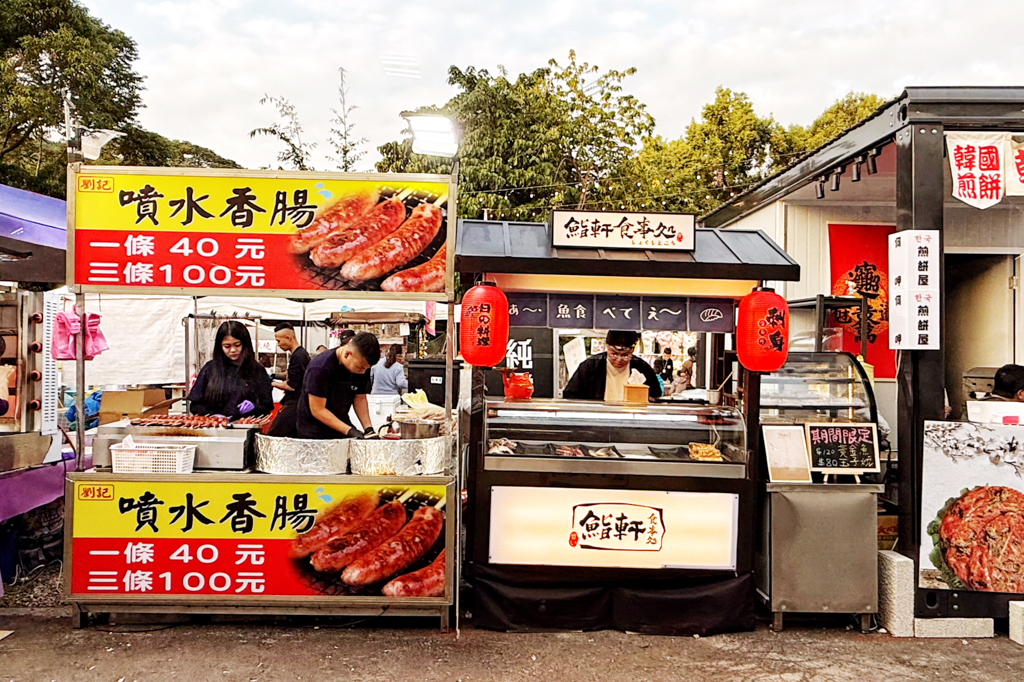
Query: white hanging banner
{"points": [[977, 163], [1015, 167]]}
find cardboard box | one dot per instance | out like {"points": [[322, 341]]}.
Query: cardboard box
{"points": [[116, 405], [888, 531]]}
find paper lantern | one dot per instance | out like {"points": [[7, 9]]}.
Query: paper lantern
{"points": [[483, 334], [762, 331]]}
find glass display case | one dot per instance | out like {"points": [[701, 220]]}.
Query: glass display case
{"points": [[606, 438], [817, 387]]}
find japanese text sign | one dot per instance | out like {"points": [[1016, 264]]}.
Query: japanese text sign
{"points": [[977, 166], [623, 230], [234, 539], [915, 308], [527, 310], [241, 232], [609, 528], [666, 314], [843, 448], [566, 311], [712, 315], [617, 312]]}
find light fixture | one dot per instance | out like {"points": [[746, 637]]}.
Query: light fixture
{"points": [[835, 179], [432, 135], [819, 188], [872, 166], [855, 171]]}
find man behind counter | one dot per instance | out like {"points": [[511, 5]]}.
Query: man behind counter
{"points": [[1008, 384], [603, 376], [335, 382], [284, 422]]}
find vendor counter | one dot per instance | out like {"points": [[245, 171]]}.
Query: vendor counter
{"points": [[635, 517], [243, 542]]}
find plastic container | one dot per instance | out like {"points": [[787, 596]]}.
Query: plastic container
{"points": [[152, 458]]}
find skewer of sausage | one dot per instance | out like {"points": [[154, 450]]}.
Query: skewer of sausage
{"points": [[428, 276], [400, 552], [379, 222], [397, 249], [383, 523], [426, 582], [335, 523], [337, 217]]}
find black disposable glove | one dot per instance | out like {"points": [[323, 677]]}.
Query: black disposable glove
{"points": [[351, 433]]}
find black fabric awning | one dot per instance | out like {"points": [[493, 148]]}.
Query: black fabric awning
{"points": [[487, 246]]}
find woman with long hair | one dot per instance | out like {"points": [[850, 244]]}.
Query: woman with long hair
{"points": [[232, 383], [388, 376]]}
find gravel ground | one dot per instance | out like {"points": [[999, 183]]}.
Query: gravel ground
{"points": [[40, 590], [404, 649]]}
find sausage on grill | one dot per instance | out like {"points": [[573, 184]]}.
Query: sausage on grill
{"points": [[336, 217], [426, 277], [397, 249], [380, 525], [399, 552], [377, 223], [335, 523], [426, 582]]}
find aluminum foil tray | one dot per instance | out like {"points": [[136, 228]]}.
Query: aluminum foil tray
{"points": [[384, 457], [300, 456]]}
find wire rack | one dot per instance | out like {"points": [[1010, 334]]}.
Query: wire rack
{"points": [[330, 278]]}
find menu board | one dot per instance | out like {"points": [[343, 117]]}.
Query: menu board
{"points": [[843, 448]]}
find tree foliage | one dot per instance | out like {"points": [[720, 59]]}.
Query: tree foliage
{"points": [[343, 138], [296, 153], [845, 112], [140, 147]]}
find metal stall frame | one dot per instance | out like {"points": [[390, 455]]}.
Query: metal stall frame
{"points": [[446, 609], [916, 123]]}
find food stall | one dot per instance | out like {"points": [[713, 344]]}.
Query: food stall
{"points": [[589, 515], [939, 169], [188, 519]]}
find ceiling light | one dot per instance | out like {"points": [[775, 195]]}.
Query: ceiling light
{"points": [[835, 179], [872, 166]]}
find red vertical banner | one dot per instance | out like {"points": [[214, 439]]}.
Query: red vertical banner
{"points": [[859, 259]]}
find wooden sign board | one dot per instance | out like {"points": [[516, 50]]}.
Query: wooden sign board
{"points": [[785, 448], [843, 448]]}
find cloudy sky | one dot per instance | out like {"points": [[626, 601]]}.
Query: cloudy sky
{"points": [[207, 63]]}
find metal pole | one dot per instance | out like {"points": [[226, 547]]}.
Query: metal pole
{"points": [[80, 383]]}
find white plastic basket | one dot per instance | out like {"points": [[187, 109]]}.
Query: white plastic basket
{"points": [[152, 458]]}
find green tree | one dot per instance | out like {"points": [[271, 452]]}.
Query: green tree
{"points": [[140, 147], [841, 115], [52, 51], [547, 138], [296, 153], [343, 139]]}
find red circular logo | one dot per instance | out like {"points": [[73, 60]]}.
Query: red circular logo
{"points": [[573, 539]]}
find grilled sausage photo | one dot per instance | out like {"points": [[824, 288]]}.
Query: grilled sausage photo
{"points": [[337, 217], [397, 249], [379, 222], [399, 552], [426, 277], [426, 582], [384, 522], [335, 523]]}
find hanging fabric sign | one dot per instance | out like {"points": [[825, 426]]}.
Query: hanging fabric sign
{"points": [[977, 166], [1015, 167]]}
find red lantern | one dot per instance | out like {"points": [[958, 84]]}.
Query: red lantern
{"points": [[762, 331], [483, 335]]}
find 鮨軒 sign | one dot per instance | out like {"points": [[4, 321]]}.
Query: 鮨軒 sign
{"points": [[623, 230]]}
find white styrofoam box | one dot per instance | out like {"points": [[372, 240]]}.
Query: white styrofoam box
{"points": [[896, 593], [960, 628], [1017, 621], [381, 407]]}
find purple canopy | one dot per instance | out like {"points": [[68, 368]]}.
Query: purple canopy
{"points": [[33, 236]]}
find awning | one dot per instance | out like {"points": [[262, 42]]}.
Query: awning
{"points": [[510, 247], [33, 236]]}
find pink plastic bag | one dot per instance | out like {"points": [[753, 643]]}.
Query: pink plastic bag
{"points": [[67, 327]]}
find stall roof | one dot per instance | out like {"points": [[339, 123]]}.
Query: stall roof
{"points": [[33, 236], [991, 108], [511, 247]]}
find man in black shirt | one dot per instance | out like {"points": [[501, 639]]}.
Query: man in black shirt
{"points": [[337, 381], [602, 376], [284, 422]]}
